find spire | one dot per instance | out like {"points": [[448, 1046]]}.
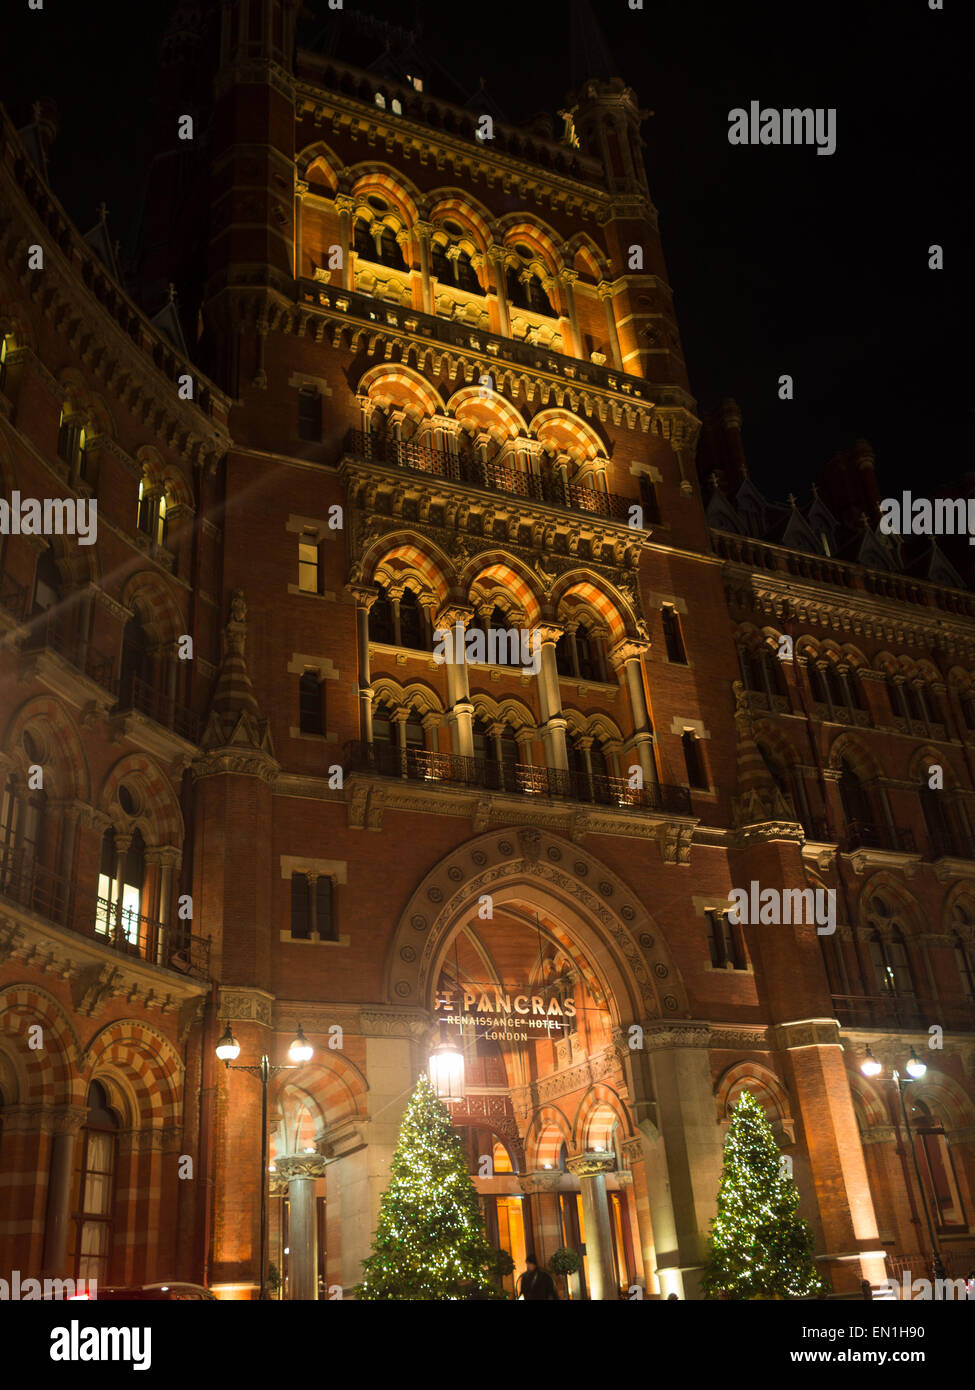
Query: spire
{"points": [[758, 801], [589, 56], [236, 724]]}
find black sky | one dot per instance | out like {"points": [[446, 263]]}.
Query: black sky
{"points": [[782, 261]]}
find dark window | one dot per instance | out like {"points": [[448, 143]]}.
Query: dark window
{"points": [[381, 619], [467, 275], [312, 907], [391, 253], [300, 907], [324, 904], [411, 621], [365, 246], [135, 662], [725, 945], [71, 443], [673, 637], [648, 500], [696, 775], [964, 958], [311, 704], [309, 414], [856, 803], [563, 656], [888, 954], [439, 263], [47, 582]]}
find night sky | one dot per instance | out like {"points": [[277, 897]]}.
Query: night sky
{"points": [[782, 260]]}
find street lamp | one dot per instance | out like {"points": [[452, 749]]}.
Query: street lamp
{"points": [[300, 1051], [447, 1073], [915, 1069]]}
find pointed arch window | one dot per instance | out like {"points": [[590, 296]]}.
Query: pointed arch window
{"points": [[136, 664], [95, 1187], [121, 880], [937, 1167], [381, 619], [889, 957], [151, 520], [390, 253], [411, 622], [363, 241], [854, 799], [72, 441]]}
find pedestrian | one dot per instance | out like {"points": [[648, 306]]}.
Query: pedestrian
{"points": [[535, 1282], [865, 1289], [674, 1296]]}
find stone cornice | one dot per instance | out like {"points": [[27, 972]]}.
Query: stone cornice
{"points": [[806, 1032]]}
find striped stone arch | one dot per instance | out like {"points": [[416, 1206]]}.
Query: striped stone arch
{"points": [[849, 748], [777, 742], [589, 724], [926, 757], [764, 1085], [511, 576], [585, 256], [868, 1104], [320, 158], [417, 695], [536, 871], [390, 561], [507, 711], [548, 1129], [334, 1088], [589, 592], [946, 1098], [158, 814], [59, 746], [395, 384], [454, 205], [889, 886], [537, 235], [383, 181], [480, 408], [158, 474], [155, 605], [599, 1111], [45, 1075], [142, 1069], [566, 433]]}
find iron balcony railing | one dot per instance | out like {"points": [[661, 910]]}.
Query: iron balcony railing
{"points": [[452, 769], [904, 1011], [39, 890], [424, 457], [863, 835], [58, 632], [140, 695]]}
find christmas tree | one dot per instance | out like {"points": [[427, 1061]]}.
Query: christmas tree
{"points": [[760, 1245], [430, 1241]]}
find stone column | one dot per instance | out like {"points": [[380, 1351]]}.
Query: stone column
{"points": [[628, 657], [365, 596], [301, 1172], [605, 293], [65, 1124], [591, 1170], [122, 843], [455, 618], [566, 279], [686, 1151], [553, 724], [301, 188], [497, 255], [169, 861], [345, 206]]}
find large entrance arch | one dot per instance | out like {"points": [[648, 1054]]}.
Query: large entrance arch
{"points": [[601, 1134]]}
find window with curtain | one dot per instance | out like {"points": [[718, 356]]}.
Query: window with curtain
{"points": [[96, 1188], [119, 905], [726, 946], [309, 565]]}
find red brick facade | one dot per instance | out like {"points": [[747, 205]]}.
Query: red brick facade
{"points": [[266, 802]]}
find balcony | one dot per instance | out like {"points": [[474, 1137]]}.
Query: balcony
{"points": [[173, 721], [532, 356], [862, 835], [55, 652], [905, 1011], [553, 491], [520, 779], [26, 884]]}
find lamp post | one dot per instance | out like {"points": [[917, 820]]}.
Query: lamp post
{"points": [[915, 1069], [300, 1051]]}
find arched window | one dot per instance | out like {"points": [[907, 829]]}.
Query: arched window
{"points": [[941, 840], [381, 619], [467, 275], [152, 514], [390, 253], [72, 438], [587, 646], [563, 656], [888, 951], [937, 1167], [439, 262], [411, 623], [47, 582], [135, 672], [538, 300], [965, 964], [94, 1204], [121, 879], [365, 246], [854, 799]]}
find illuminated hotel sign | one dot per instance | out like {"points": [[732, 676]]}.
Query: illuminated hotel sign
{"points": [[505, 1017]]}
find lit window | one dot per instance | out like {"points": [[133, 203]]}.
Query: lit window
{"points": [[381, 101], [415, 82], [308, 566], [396, 106]]}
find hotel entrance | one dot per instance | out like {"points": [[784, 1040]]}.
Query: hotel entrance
{"points": [[544, 1119]]}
